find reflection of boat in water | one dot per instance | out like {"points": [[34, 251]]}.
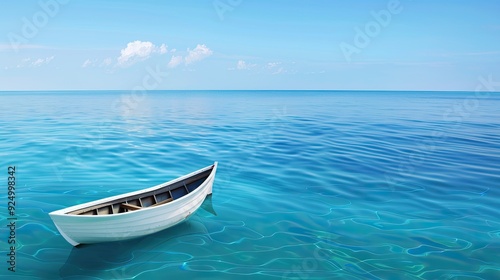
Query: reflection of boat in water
{"points": [[125, 259], [208, 206], [136, 213]]}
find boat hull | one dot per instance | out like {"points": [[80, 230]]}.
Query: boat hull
{"points": [[81, 229]]}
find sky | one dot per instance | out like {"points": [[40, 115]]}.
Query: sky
{"points": [[247, 45]]}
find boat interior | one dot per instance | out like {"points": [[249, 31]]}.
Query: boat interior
{"points": [[160, 196]]}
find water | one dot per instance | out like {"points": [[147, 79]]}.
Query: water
{"points": [[311, 184]]}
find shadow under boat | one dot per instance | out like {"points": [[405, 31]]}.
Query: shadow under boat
{"points": [[208, 205], [111, 257]]}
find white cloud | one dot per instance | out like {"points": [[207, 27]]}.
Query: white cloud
{"points": [[106, 62], [28, 62], [163, 49], [135, 50], [279, 71], [199, 53], [42, 61], [271, 65], [138, 51], [97, 63], [242, 65], [276, 67], [175, 61], [88, 63]]}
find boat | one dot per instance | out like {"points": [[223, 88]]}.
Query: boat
{"points": [[137, 213]]}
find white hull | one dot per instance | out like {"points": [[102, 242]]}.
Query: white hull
{"points": [[84, 229]]}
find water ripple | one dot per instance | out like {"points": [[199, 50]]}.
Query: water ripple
{"points": [[311, 185]]}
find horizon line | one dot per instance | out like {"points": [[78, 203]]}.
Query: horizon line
{"points": [[254, 90]]}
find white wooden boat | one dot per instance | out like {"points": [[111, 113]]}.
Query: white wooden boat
{"points": [[135, 214]]}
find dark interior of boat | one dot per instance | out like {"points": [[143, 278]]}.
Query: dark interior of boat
{"points": [[154, 198]]}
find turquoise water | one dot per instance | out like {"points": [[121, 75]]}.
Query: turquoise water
{"points": [[311, 185]]}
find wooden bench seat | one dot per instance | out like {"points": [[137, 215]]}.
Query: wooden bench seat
{"points": [[163, 202], [131, 207]]}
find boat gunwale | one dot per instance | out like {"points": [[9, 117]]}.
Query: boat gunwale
{"points": [[65, 212]]}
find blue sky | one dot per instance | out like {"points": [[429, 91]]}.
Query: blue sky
{"points": [[243, 44]]}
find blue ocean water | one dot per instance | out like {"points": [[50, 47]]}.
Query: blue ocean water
{"points": [[311, 184]]}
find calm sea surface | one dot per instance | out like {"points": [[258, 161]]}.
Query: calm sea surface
{"points": [[311, 184]]}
